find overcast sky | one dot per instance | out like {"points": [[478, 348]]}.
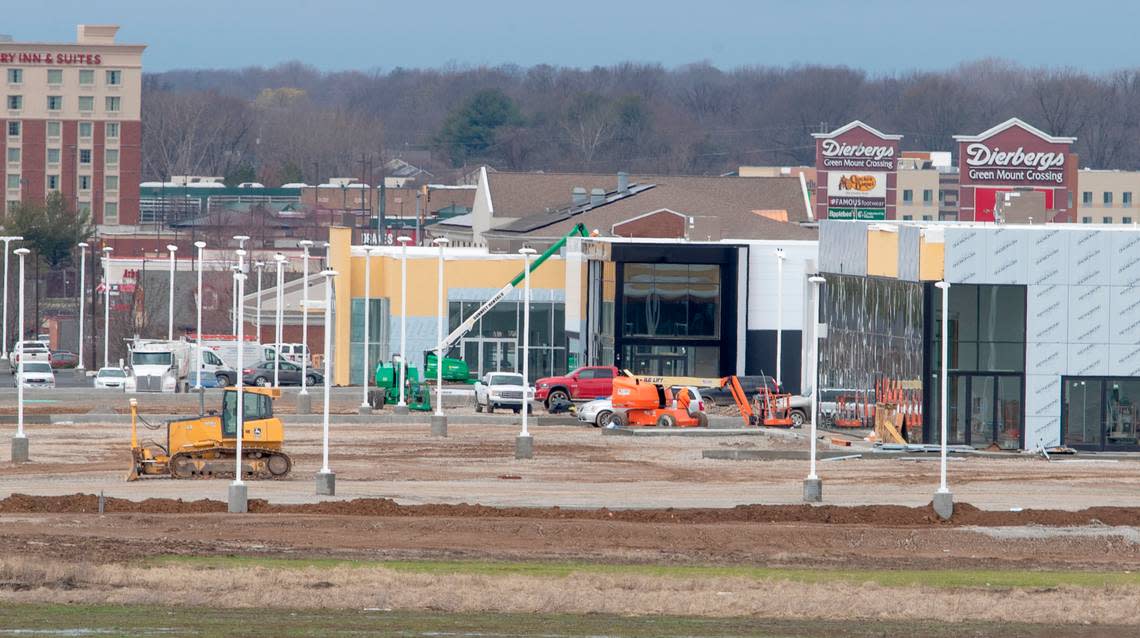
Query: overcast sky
{"points": [[876, 35]]}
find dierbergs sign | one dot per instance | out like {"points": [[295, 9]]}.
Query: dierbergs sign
{"points": [[986, 163], [856, 169], [838, 154]]}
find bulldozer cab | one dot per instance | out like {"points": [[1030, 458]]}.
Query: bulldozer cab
{"points": [[257, 407]]}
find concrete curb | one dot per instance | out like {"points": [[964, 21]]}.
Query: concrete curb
{"points": [[316, 419], [771, 455], [685, 432]]}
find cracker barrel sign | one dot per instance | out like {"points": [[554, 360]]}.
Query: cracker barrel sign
{"points": [[857, 167]]}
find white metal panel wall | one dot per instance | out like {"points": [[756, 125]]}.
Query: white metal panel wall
{"points": [[761, 295]]}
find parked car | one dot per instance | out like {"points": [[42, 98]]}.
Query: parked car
{"points": [[583, 384], [111, 378], [30, 351], [261, 374], [36, 374], [598, 413], [64, 359], [502, 390]]}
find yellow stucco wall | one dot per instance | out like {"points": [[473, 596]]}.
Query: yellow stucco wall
{"points": [[882, 253], [931, 259], [339, 259]]}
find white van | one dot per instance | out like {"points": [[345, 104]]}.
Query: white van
{"points": [[293, 352]]}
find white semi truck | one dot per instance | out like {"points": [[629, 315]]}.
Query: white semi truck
{"points": [[157, 365]]}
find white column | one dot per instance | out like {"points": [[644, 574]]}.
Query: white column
{"points": [[780, 319], [106, 308], [171, 248], [82, 298], [279, 301], [329, 275], [22, 252], [816, 281], [440, 312], [240, 239], [201, 246], [305, 245], [403, 315], [367, 326], [239, 289], [4, 346], [259, 266], [945, 286], [526, 253]]}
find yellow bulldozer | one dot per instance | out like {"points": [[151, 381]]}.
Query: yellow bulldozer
{"points": [[204, 446]]}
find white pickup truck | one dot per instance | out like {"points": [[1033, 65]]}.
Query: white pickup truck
{"points": [[30, 351]]}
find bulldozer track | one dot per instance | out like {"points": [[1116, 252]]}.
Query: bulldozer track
{"points": [[218, 462]]}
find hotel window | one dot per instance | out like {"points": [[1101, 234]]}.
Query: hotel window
{"points": [[84, 156], [111, 182], [55, 76], [55, 102], [112, 157], [927, 197], [113, 104], [53, 156], [927, 218], [112, 130], [1125, 220], [114, 78], [85, 130], [1107, 198], [1086, 220], [53, 128], [12, 205], [1086, 198], [1106, 220], [13, 154], [111, 213], [908, 196], [84, 182], [53, 182], [15, 76], [1126, 198], [907, 218], [15, 102], [85, 209], [86, 77], [13, 129], [14, 181], [86, 103]]}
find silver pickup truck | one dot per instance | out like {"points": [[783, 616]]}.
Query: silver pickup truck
{"points": [[30, 351]]}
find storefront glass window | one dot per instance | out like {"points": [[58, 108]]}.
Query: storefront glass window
{"points": [[1101, 413], [377, 337], [672, 360], [671, 300]]}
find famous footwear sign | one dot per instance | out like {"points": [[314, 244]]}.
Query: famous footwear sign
{"points": [[856, 168]]}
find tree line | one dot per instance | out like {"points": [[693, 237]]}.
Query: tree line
{"points": [[292, 122]]}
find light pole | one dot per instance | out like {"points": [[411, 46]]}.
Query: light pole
{"points": [[259, 266], [82, 296], [171, 248], [439, 420], [779, 319], [524, 442], [813, 486], [20, 441], [106, 308], [402, 406], [279, 300], [240, 239], [304, 401], [238, 493], [943, 499], [201, 246], [365, 408], [7, 240], [326, 480]]}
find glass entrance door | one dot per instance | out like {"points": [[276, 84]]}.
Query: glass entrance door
{"points": [[985, 409], [485, 355]]}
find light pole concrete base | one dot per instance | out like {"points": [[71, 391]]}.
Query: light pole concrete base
{"points": [[364, 409], [813, 490], [944, 505], [524, 447], [438, 425], [239, 498], [304, 403], [20, 449], [326, 483], [400, 409]]}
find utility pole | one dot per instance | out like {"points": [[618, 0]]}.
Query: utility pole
{"points": [[382, 227]]}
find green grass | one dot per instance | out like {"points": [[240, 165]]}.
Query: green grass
{"points": [[949, 578], [138, 621]]}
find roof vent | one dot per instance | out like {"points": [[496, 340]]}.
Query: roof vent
{"points": [[623, 182], [578, 196], [597, 197]]}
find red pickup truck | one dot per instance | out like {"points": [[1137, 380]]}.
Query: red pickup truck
{"points": [[583, 384]]}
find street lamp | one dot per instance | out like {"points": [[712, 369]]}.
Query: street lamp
{"points": [[304, 404], [524, 443], [259, 266], [326, 480], [813, 487], [402, 406], [7, 240], [201, 246], [20, 441], [238, 493], [82, 295], [279, 316], [170, 304], [943, 499], [365, 408], [779, 319], [438, 420], [106, 308], [240, 239]]}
